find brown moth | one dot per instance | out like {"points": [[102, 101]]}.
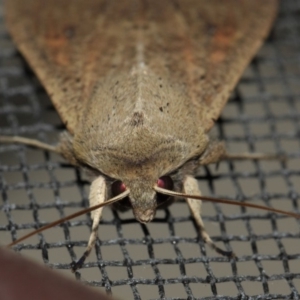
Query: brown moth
{"points": [[138, 85]]}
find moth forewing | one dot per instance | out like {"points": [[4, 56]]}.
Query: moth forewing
{"points": [[138, 86]]}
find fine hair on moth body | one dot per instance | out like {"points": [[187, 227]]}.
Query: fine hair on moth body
{"points": [[138, 85]]}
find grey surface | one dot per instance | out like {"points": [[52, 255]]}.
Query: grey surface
{"points": [[166, 259]]}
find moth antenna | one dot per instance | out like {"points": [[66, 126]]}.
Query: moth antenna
{"points": [[226, 201], [67, 218]]}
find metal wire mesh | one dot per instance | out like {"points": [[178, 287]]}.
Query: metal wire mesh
{"points": [[167, 259]]}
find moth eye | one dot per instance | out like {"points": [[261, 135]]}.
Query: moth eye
{"points": [[165, 182], [118, 187]]}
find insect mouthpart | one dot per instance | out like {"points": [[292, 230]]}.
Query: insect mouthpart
{"points": [[143, 199]]}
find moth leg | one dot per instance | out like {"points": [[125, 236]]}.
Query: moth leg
{"points": [[213, 153], [253, 156], [64, 147], [97, 196], [28, 142], [190, 186], [216, 152]]}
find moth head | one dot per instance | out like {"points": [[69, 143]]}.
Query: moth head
{"points": [[143, 198]]}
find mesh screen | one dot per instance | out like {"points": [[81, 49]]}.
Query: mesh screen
{"points": [[167, 259]]}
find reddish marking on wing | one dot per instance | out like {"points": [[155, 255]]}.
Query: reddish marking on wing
{"points": [[222, 42], [56, 45]]}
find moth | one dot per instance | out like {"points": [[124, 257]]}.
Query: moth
{"points": [[138, 85]]}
